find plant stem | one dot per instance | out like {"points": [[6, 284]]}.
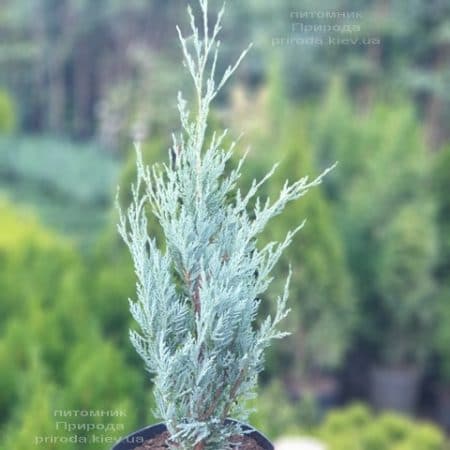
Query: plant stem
{"points": [[200, 445]]}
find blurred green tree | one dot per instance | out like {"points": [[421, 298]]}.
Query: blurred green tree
{"points": [[65, 61], [441, 188], [324, 308], [48, 333], [385, 212]]}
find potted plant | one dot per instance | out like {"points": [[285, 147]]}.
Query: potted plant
{"points": [[407, 307], [442, 349], [198, 297], [386, 216], [441, 186], [323, 305]]}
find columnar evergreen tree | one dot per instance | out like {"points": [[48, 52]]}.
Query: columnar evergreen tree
{"points": [[441, 187], [385, 210], [323, 304], [198, 298]]}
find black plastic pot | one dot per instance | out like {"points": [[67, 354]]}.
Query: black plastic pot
{"points": [[136, 439], [395, 388], [443, 405]]}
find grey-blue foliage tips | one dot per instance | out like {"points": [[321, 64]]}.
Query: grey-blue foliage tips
{"points": [[197, 300]]}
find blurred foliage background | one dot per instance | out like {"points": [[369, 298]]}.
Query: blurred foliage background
{"points": [[365, 83]]}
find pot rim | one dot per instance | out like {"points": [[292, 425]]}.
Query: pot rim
{"points": [[126, 443]]}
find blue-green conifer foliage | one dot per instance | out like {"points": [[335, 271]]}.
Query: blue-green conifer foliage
{"points": [[198, 295]]}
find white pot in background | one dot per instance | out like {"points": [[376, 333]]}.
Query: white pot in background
{"points": [[299, 444]]}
